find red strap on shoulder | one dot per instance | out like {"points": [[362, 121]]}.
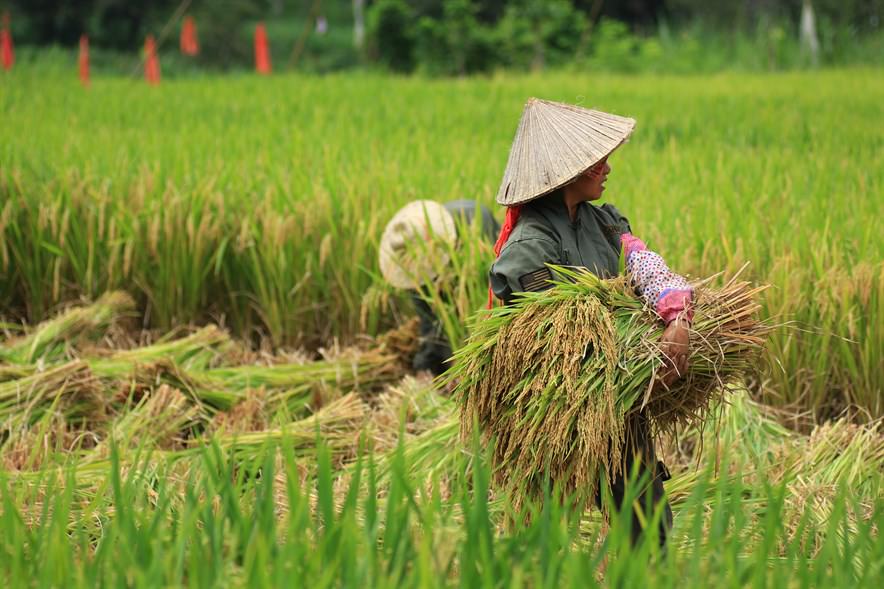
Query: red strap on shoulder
{"points": [[509, 223]]}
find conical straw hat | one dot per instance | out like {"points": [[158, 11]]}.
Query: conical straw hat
{"points": [[413, 243], [554, 144]]}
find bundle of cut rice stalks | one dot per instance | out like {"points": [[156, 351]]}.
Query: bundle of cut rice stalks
{"points": [[161, 419], [338, 425], [556, 378], [293, 385], [70, 388], [192, 352], [47, 342]]}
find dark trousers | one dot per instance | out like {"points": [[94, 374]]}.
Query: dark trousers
{"points": [[639, 453], [433, 351]]}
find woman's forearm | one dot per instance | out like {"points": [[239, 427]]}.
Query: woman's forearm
{"points": [[669, 293]]}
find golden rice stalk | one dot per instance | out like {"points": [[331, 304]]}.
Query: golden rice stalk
{"points": [[839, 460], [410, 407], [161, 419], [30, 446], [844, 453], [402, 341], [249, 415], [433, 454], [556, 379], [14, 372]]}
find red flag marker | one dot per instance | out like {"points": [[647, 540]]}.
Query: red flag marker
{"points": [[7, 53], [262, 51], [151, 63], [189, 44], [83, 60]]}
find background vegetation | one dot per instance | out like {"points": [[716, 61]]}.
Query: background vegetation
{"points": [[457, 37]]}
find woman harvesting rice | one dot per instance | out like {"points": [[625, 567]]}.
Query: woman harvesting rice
{"points": [[558, 165], [405, 265]]}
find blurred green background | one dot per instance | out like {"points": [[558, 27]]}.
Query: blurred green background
{"points": [[460, 37]]}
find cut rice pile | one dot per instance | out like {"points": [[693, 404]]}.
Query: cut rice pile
{"points": [[557, 378], [63, 383]]}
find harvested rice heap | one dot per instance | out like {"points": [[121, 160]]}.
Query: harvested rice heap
{"points": [[556, 378]]}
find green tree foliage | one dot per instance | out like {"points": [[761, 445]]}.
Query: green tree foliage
{"points": [[224, 26], [456, 43], [226, 30], [458, 37], [536, 33], [613, 47], [114, 24], [860, 15], [390, 35]]}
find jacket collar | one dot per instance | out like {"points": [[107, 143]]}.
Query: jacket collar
{"points": [[553, 205]]}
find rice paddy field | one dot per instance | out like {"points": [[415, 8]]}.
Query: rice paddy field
{"points": [[205, 382]]}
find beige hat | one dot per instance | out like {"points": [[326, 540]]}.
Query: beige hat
{"points": [[409, 253], [554, 144]]}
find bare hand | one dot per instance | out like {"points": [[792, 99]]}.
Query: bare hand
{"points": [[675, 345]]}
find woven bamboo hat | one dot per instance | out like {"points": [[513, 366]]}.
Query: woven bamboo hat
{"points": [[413, 243], [554, 144]]}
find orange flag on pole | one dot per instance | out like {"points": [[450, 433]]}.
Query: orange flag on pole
{"points": [[262, 51], [189, 44], [7, 53], [83, 60], [151, 63]]}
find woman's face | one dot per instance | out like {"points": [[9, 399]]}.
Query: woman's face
{"points": [[591, 183]]}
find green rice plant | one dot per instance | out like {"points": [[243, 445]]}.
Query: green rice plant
{"points": [[216, 525], [271, 218], [436, 459]]}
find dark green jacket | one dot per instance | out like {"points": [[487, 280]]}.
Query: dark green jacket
{"points": [[545, 234]]}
